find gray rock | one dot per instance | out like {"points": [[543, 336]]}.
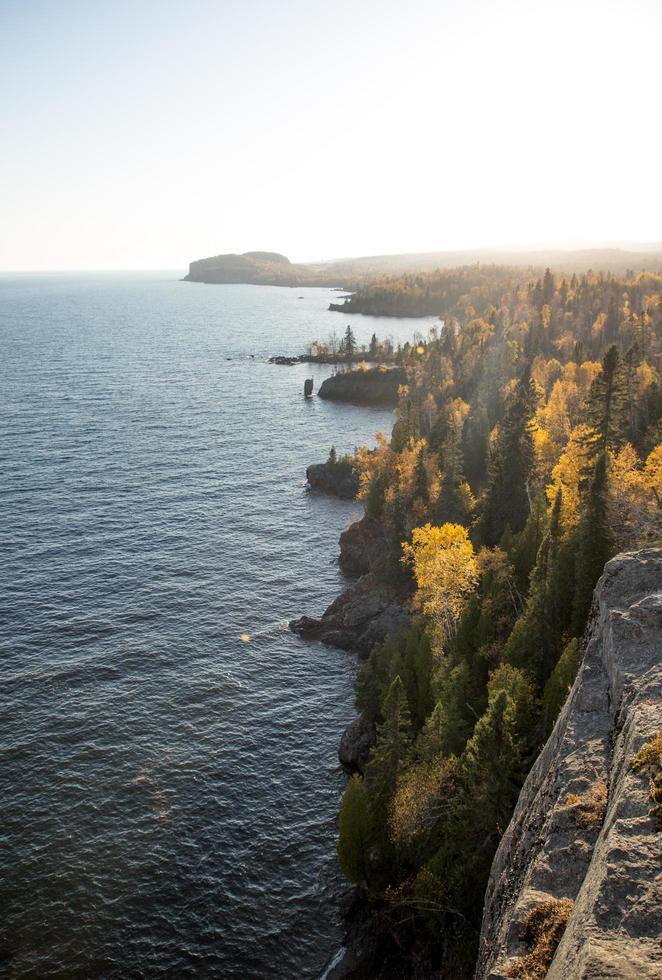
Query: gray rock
{"points": [[358, 619], [376, 386], [339, 480], [608, 864], [363, 547], [355, 744]]}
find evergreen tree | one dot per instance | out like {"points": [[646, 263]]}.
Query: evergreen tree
{"points": [[559, 683], [548, 287], [535, 641], [423, 664], [355, 834], [594, 544], [453, 504], [492, 766], [508, 494], [475, 445], [421, 491], [374, 347], [606, 402], [610, 331], [392, 749], [349, 343]]}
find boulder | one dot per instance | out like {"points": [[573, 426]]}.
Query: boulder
{"points": [[358, 619], [338, 479], [355, 744], [363, 547], [581, 839]]}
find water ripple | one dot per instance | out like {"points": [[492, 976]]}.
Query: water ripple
{"points": [[168, 790]]}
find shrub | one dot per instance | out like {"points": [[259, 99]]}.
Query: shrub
{"points": [[543, 929]]}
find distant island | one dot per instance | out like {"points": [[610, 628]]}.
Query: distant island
{"points": [[274, 269], [261, 269]]}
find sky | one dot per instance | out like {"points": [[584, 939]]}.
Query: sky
{"points": [[145, 134]]}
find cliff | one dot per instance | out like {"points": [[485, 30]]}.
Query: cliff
{"points": [[369, 609], [272, 268], [582, 850], [338, 479], [250, 267], [376, 386], [264, 269]]}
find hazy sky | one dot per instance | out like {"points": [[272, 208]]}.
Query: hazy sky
{"points": [[144, 134]]}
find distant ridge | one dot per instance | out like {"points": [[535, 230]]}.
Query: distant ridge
{"points": [[272, 268]]}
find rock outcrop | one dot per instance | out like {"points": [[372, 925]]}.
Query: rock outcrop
{"points": [[581, 845], [363, 547], [362, 616], [355, 744], [376, 386], [338, 479]]}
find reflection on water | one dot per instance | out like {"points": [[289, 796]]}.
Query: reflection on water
{"points": [[169, 779]]}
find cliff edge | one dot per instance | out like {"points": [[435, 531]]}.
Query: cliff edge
{"points": [[581, 858]]}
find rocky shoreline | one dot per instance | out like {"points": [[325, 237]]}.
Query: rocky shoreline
{"points": [[356, 620], [369, 608], [337, 479]]}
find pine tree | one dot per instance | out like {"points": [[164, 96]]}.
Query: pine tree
{"points": [[392, 749], [374, 346], [492, 765], [423, 663], [508, 494], [559, 683], [453, 504], [548, 287], [594, 544], [355, 834], [421, 491], [349, 343], [475, 443], [606, 402]]}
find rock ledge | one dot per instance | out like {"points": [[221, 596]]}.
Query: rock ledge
{"points": [[608, 865]]}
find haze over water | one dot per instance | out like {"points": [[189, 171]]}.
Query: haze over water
{"points": [[169, 791]]}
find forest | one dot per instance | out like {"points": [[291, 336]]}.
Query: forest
{"points": [[527, 451]]}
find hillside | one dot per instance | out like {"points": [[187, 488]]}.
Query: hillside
{"points": [[582, 845], [272, 268], [527, 452], [263, 269]]}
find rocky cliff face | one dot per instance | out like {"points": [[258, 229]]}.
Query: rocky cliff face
{"points": [[376, 386], [581, 850], [338, 479], [369, 609]]}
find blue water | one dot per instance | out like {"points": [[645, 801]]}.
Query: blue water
{"points": [[168, 790]]}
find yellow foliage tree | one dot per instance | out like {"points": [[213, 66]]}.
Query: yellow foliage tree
{"points": [[568, 474], [445, 570], [653, 475]]}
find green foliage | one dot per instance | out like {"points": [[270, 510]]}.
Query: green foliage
{"points": [[355, 832], [459, 717], [594, 544], [508, 493], [374, 500], [607, 402], [454, 503], [492, 764], [560, 681]]}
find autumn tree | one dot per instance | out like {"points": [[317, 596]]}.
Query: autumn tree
{"points": [[444, 566]]}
